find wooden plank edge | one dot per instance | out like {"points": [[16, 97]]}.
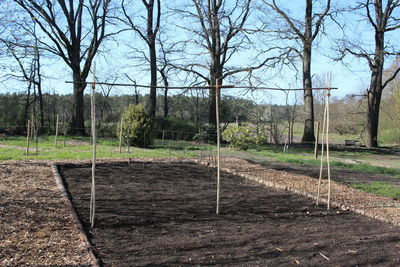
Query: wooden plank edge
{"points": [[96, 261]]}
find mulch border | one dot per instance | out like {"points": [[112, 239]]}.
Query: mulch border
{"points": [[279, 186], [96, 261]]}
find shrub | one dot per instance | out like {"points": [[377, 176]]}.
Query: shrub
{"points": [[207, 133], [175, 128], [137, 126], [244, 137]]}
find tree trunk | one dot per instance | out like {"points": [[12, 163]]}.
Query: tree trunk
{"points": [[308, 134], [375, 91], [153, 82], [166, 103], [78, 120], [27, 104], [374, 100], [39, 87], [166, 84], [372, 120], [212, 118]]}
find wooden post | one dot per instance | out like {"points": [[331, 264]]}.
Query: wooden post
{"points": [[93, 126], [144, 139], [322, 155], [218, 142], [328, 94], [65, 133], [325, 137], [31, 133], [120, 135], [162, 139], [316, 142], [36, 130], [28, 135], [55, 137]]}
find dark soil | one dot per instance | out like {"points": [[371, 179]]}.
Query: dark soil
{"points": [[156, 213]]}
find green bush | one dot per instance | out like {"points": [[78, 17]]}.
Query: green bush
{"points": [[244, 137], [207, 133], [175, 129], [137, 126]]}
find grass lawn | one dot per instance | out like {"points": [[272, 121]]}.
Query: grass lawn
{"points": [[14, 148]]}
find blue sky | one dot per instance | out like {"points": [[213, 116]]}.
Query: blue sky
{"points": [[114, 62]]}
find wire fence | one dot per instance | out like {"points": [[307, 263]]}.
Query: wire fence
{"points": [[33, 139]]}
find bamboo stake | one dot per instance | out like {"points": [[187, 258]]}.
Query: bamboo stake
{"points": [[31, 133], [55, 137], [316, 142], [36, 130], [120, 135], [322, 155], [65, 133], [218, 142], [93, 124], [325, 137], [28, 136], [127, 143], [328, 94], [144, 139]]}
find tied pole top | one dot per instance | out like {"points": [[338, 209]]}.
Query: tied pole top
{"points": [[94, 78], [328, 82]]}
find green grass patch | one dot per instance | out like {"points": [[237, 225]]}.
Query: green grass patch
{"points": [[380, 188], [85, 152], [369, 168], [303, 157]]}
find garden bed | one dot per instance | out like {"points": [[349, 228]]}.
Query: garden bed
{"points": [[163, 213]]}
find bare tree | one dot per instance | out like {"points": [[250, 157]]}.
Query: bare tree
{"points": [[149, 35], [291, 114], [165, 66], [304, 34], [74, 31], [21, 43], [383, 17], [218, 34]]}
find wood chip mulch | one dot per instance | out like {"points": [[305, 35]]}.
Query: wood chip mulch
{"points": [[36, 226]]}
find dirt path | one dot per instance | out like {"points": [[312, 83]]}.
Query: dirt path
{"points": [[161, 213], [35, 225]]}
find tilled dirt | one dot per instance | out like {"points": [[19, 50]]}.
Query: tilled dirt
{"points": [[36, 228], [163, 213]]}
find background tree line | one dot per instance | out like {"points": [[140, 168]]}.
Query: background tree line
{"points": [[199, 43], [187, 115]]}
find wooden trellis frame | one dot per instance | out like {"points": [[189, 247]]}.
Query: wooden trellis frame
{"points": [[325, 135], [217, 88]]}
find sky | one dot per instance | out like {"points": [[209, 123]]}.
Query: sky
{"points": [[115, 61]]}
